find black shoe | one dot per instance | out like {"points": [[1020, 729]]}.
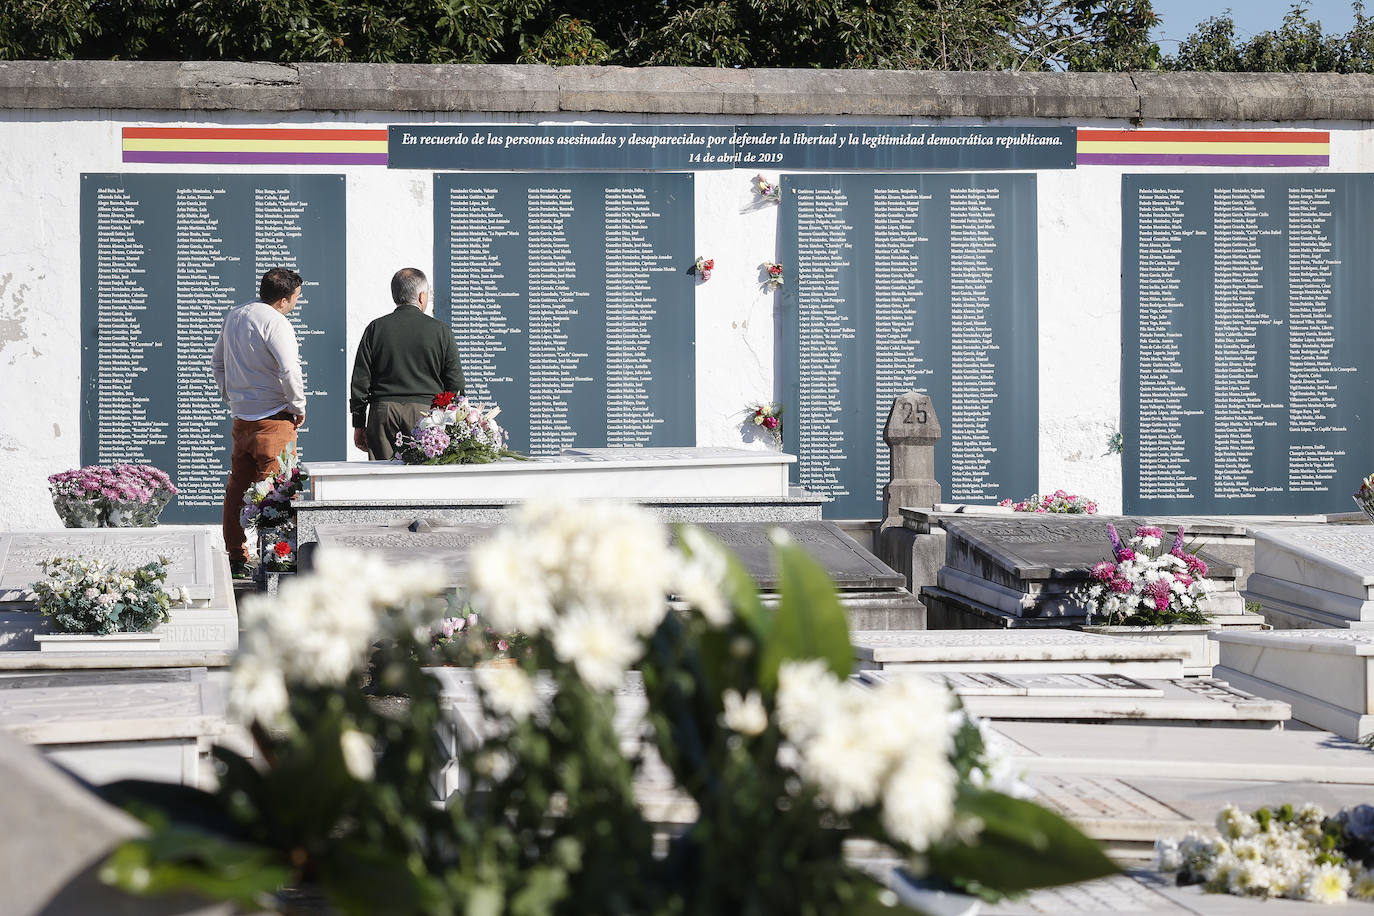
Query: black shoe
{"points": [[242, 569]]}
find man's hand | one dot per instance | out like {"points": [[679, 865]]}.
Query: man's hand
{"points": [[297, 420], [360, 438]]}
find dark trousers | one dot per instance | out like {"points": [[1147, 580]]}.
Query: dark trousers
{"points": [[257, 443], [387, 418]]}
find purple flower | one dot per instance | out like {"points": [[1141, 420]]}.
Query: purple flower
{"points": [[1177, 549], [1116, 542]]}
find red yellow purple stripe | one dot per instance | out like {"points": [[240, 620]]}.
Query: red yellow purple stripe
{"points": [[256, 145], [1205, 147]]}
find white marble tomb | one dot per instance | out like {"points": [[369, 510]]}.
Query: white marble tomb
{"points": [[208, 625], [585, 473], [1314, 576]]}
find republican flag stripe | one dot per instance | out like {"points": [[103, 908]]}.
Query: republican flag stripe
{"points": [[1203, 136], [256, 133], [303, 146]]}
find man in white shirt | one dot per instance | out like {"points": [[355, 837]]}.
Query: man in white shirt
{"points": [[258, 369]]}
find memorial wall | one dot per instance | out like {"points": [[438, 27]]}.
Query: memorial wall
{"points": [[1247, 331], [1048, 268], [163, 258]]}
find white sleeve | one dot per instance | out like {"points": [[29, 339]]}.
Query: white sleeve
{"points": [[281, 343], [217, 366]]}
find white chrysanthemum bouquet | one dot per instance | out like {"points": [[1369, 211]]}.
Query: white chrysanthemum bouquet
{"points": [[1279, 852], [783, 757], [1145, 586]]}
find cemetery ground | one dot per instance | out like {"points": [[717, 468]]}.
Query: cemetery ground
{"points": [[1132, 737]]}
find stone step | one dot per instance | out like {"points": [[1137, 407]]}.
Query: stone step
{"points": [[1021, 651]]}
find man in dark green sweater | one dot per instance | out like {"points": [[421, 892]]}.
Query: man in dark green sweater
{"points": [[403, 361]]}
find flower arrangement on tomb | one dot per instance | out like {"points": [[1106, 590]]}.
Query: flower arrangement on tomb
{"points": [[1145, 586], [703, 268], [269, 504], [120, 496], [1364, 496], [748, 712], [1279, 852], [767, 190], [88, 596], [269, 507], [279, 550], [772, 278], [466, 640], [1059, 502], [455, 431], [768, 416]]}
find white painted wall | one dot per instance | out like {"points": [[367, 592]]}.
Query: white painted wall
{"points": [[390, 225]]}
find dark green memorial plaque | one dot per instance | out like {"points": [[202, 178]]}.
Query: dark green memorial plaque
{"points": [[163, 258], [1246, 382], [898, 283], [570, 298]]}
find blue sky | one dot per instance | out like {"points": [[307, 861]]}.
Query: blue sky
{"points": [[1179, 17]]}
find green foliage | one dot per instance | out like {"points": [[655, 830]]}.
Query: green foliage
{"points": [[548, 821], [1298, 45], [880, 34]]}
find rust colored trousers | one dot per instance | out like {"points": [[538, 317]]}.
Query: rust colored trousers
{"points": [[257, 443]]}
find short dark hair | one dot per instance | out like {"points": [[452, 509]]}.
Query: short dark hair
{"points": [[407, 284], [278, 283]]}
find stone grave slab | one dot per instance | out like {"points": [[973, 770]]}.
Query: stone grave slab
{"points": [[116, 724], [1019, 651], [872, 592], [1005, 571], [1035, 685], [1180, 701], [198, 633], [1315, 575], [1159, 751], [191, 565], [1326, 675]]}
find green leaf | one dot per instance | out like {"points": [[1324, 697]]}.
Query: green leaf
{"points": [[810, 621], [175, 859], [1022, 846]]}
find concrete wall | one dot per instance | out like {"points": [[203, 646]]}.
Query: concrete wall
{"points": [[58, 120]]}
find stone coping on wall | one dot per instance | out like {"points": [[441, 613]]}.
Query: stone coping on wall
{"points": [[536, 89]]}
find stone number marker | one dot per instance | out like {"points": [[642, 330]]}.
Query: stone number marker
{"points": [[911, 433]]}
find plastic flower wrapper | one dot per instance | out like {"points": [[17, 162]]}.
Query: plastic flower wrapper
{"points": [[772, 275], [455, 431], [766, 189], [1145, 586]]}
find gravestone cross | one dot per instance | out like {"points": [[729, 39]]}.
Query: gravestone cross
{"points": [[911, 433]]}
